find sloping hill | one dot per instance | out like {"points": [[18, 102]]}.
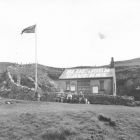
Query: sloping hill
{"points": [[46, 75], [127, 74], [26, 74], [4, 65], [29, 70], [128, 77], [131, 62]]}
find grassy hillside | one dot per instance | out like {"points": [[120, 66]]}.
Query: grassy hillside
{"points": [[46, 75], [128, 77], [46, 79], [29, 70], [127, 73], [4, 65], [132, 62], [24, 120]]}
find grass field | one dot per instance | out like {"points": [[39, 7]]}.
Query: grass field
{"points": [[24, 120]]}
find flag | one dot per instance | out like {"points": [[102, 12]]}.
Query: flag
{"points": [[30, 29]]}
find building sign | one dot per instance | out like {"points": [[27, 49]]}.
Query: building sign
{"points": [[87, 73]]}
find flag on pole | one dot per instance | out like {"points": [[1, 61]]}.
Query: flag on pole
{"points": [[30, 29]]}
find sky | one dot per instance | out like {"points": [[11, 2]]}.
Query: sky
{"points": [[69, 31]]}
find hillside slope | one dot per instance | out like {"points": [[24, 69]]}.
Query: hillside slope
{"points": [[46, 75], [4, 65], [18, 81], [127, 75], [131, 62], [26, 120]]}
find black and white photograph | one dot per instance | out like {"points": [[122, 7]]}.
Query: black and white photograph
{"points": [[69, 70]]}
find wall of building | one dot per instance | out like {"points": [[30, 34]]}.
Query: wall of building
{"points": [[108, 85], [61, 85]]}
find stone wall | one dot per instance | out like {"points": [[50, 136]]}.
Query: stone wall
{"points": [[18, 91]]}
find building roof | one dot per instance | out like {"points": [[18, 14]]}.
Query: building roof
{"points": [[87, 73]]}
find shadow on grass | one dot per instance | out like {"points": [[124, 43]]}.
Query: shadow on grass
{"points": [[108, 120]]}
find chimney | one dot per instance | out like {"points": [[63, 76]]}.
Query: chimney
{"points": [[112, 64]]}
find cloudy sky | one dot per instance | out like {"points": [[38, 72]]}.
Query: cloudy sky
{"points": [[69, 32]]}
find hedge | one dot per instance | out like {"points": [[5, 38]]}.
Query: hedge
{"points": [[111, 100], [49, 96]]}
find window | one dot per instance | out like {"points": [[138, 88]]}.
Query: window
{"points": [[73, 88], [83, 85], [95, 89], [101, 84], [67, 85]]}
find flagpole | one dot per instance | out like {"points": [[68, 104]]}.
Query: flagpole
{"points": [[33, 29], [36, 79]]}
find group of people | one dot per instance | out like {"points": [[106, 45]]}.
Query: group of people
{"points": [[73, 98]]}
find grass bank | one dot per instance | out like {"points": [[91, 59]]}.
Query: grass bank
{"points": [[24, 120]]}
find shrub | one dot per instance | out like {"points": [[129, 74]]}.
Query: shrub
{"points": [[137, 103], [5, 93], [49, 96], [58, 133], [110, 99], [110, 122]]}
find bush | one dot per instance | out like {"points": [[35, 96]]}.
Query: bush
{"points": [[111, 100], [4, 94], [58, 133], [49, 96], [104, 118], [137, 103]]}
